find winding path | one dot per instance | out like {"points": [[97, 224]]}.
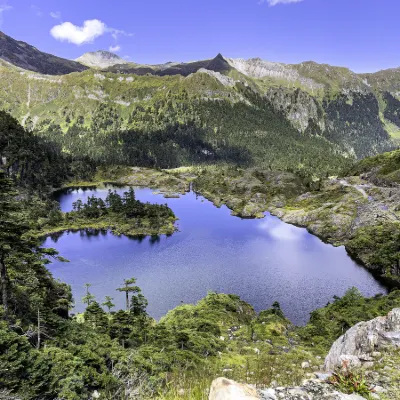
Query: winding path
{"points": [[360, 188]]}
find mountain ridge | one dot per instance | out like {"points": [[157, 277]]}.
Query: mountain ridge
{"points": [[228, 110], [28, 57], [13, 51]]}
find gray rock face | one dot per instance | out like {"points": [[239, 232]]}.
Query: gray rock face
{"points": [[298, 106], [358, 345], [257, 68]]}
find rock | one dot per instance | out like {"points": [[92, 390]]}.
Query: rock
{"points": [[379, 389], [323, 376], [268, 394], [368, 365], [305, 365], [310, 390], [360, 342], [349, 361], [226, 389]]}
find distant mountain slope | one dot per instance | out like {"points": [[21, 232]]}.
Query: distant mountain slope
{"points": [[383, 169], [305, 117], [100, 59], [388, 79], [28, 57], [217, 64]]}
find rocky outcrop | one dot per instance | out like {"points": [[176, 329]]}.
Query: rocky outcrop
{"points": [[361, 344], [257, 68], [313, 389], [359, 347], [299, 107], [225, 80]]}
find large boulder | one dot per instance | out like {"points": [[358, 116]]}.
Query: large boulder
{"points": [[361, 343], [226, 389]]}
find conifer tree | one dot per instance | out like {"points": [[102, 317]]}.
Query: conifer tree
{"points": [[129, 287], [108, 303]]}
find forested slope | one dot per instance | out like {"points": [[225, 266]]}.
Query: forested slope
{"points": [[310, 118]]}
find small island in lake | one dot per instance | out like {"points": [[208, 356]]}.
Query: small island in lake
{"points": [[122, 215]]}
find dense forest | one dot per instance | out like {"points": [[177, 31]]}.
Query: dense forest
{"points": [[173, 132], [35, 163]]}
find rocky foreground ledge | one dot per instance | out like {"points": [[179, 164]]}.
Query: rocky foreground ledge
{"points": [[367, 347]]}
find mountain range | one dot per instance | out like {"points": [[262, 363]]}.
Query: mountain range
{"points": [[222, 109]]}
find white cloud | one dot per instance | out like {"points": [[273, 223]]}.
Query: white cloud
{"points": [[275, 2], [115, 33], [115, 48], [55, 14], [90, 30], [280, 230], [3, 7], [37, 10]]}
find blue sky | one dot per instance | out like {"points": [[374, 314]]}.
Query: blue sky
{"points": [[361, 34]]}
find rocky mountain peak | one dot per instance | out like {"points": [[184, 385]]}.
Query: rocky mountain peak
{"points": [[100, 59]]}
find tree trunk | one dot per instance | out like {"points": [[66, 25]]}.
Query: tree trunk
{"points": [[127, 300], [3, 281], [38, 330]]}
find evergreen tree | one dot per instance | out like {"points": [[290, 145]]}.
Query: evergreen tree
{"points": [[96, 317], [138, 304], [129, 287], [88, 298], [108, 303], [121, 326]]}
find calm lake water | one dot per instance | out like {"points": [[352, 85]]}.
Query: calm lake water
{"points": [[262, 261]]}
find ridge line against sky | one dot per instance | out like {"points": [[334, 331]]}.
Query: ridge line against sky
{"points": [[358, 34]]}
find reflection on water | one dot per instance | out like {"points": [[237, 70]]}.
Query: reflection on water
{"points": [[260, 260]]}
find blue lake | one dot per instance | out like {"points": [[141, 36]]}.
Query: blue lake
{"points": [[262, 261]]}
